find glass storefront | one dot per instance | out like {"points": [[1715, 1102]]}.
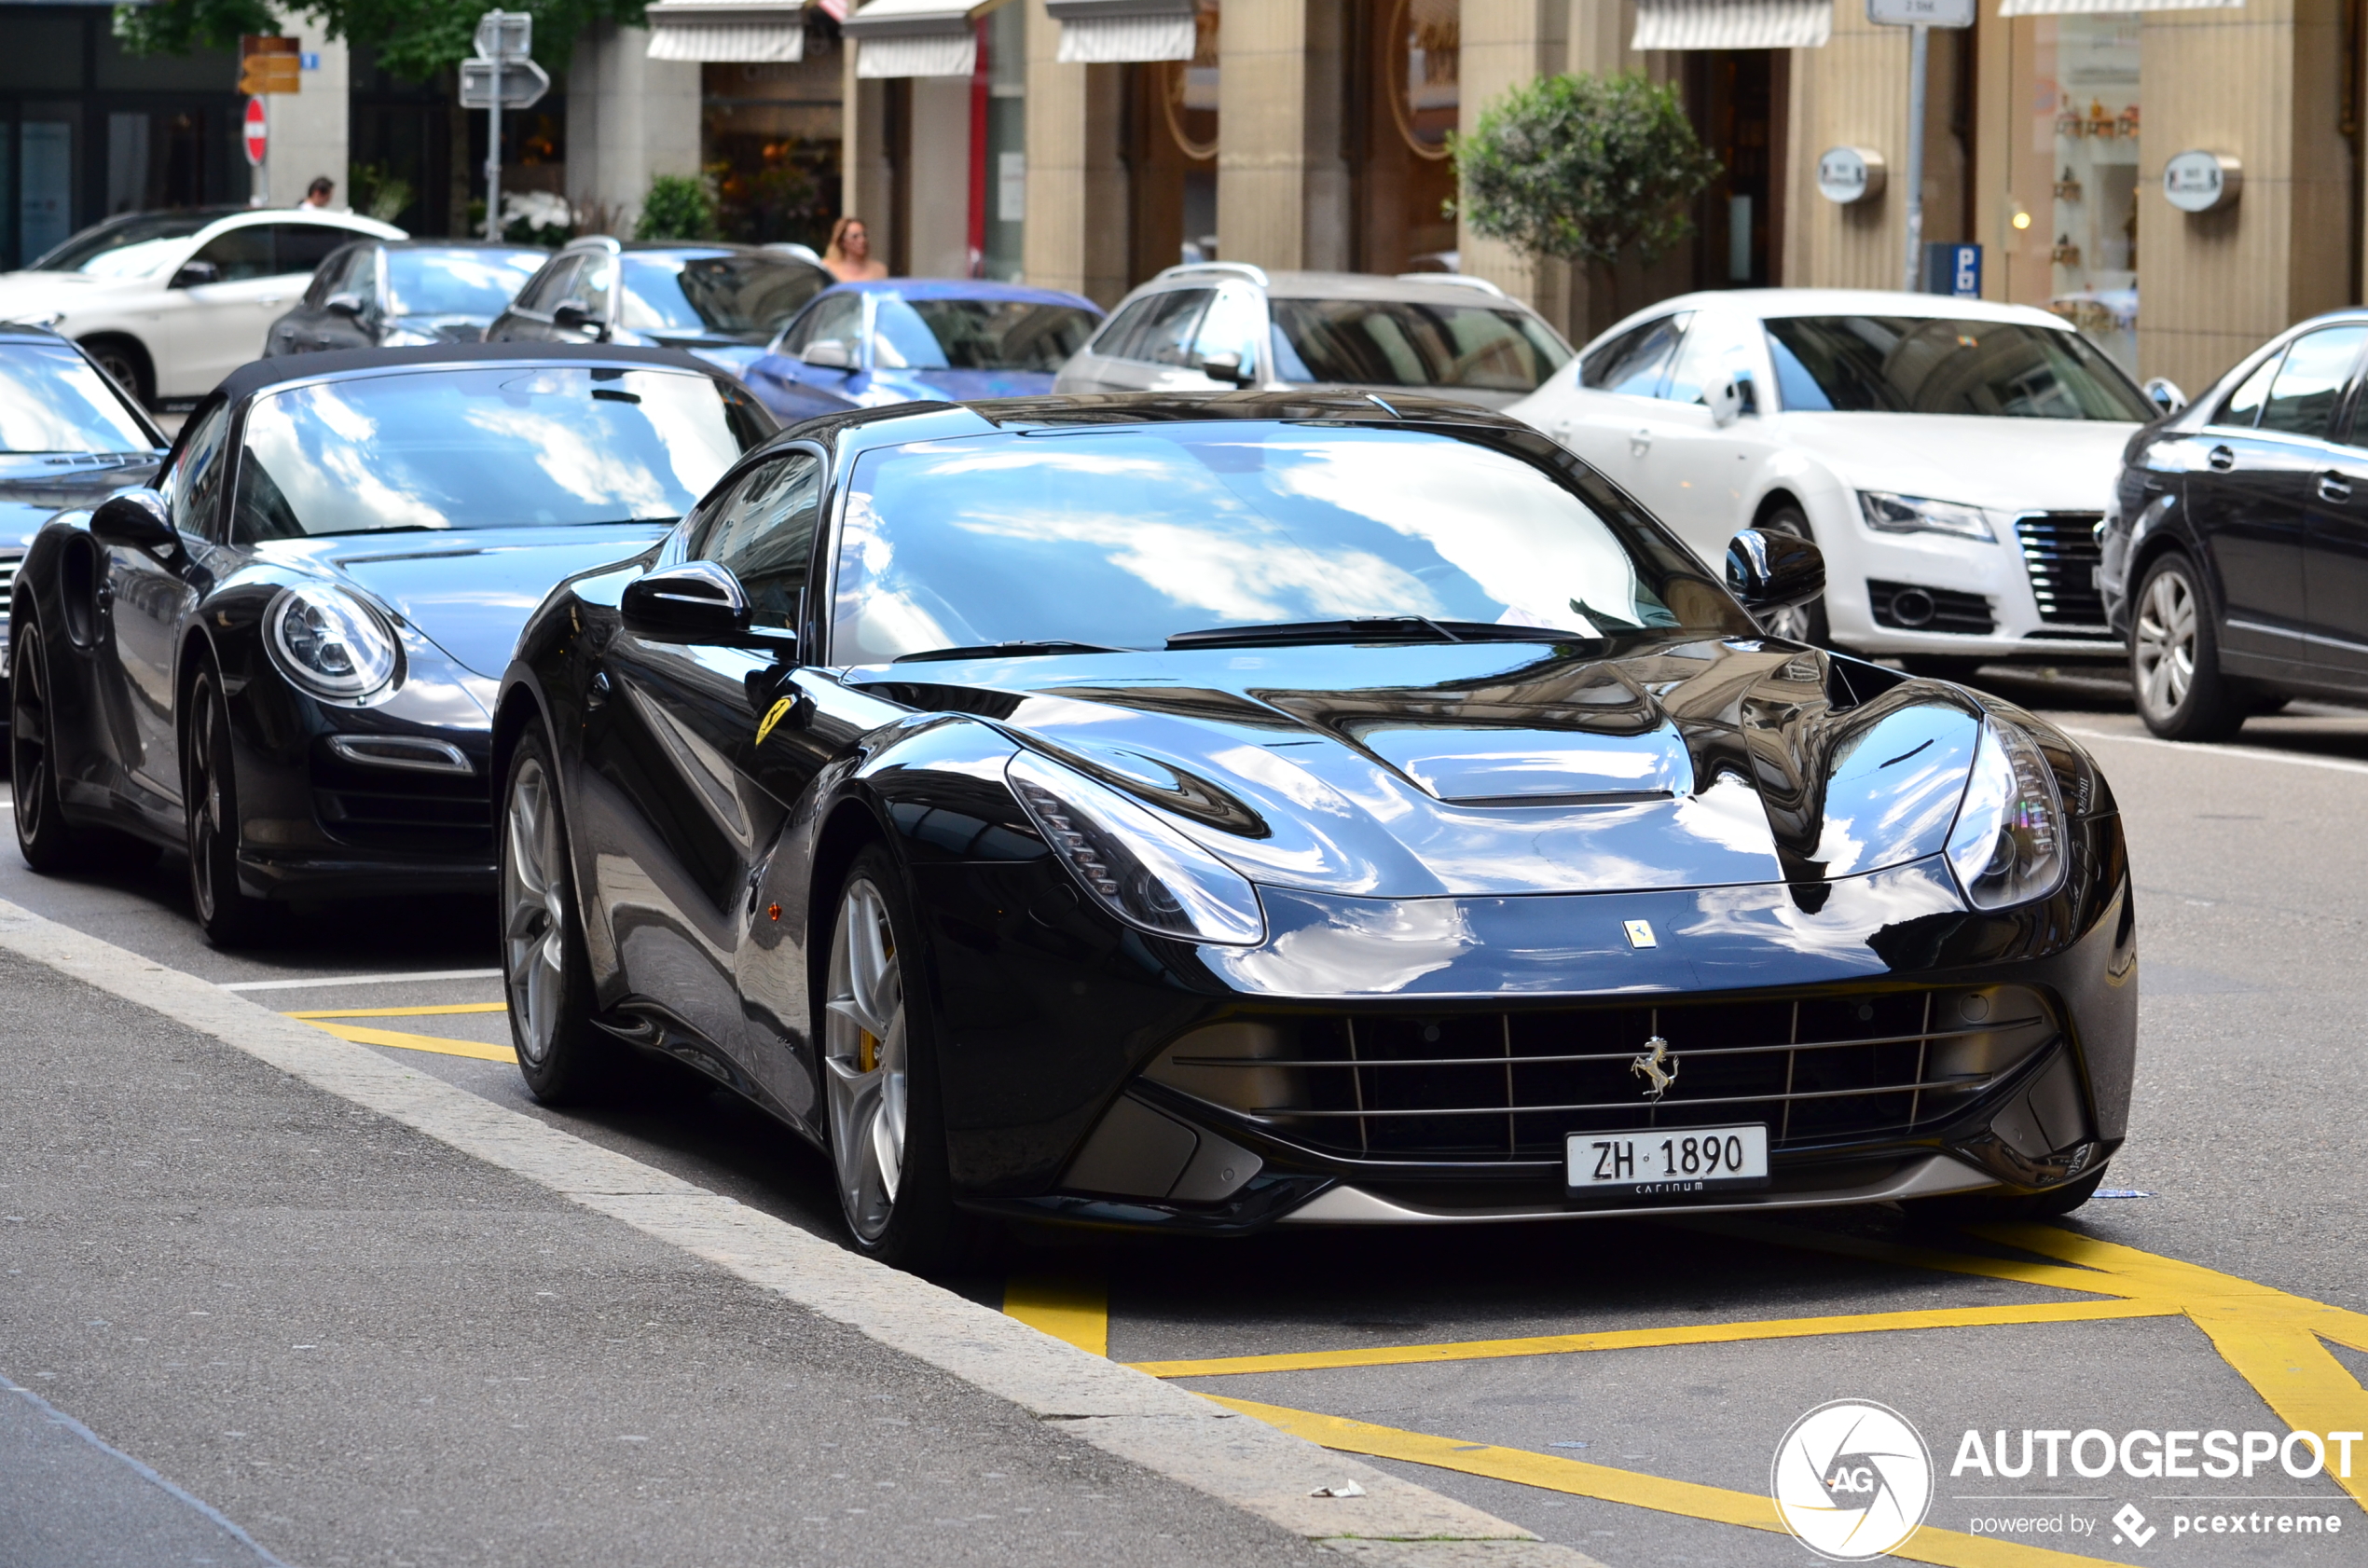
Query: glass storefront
{"points": [[2074, 249], [770, 138]]}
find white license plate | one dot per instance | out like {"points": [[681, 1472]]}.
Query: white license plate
{"points": [[1672, 1161]]}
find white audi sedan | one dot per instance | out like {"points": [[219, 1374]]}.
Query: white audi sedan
{"points": [[1950, 457], [169, 303]]}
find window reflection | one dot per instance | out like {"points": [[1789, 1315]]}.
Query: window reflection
{"points": [[52, 401], [508, 447]]}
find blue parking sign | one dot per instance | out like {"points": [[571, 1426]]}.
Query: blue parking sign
{"points": [[1953, 269]]}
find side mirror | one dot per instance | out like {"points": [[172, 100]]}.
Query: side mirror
{"points": [[1228, 367], [138, 520], [1732, 401], [697, 601], [343, 305], [828, 353], [194, 274], [2164, 393], [576, 316], [1774, 571]]}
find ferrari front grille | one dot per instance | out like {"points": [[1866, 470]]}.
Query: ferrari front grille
{"points": [[1513, 1085], [2061, 556]]}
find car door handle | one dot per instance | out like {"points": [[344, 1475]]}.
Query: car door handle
{"points": [[2222, 459], [2334, 487], [1640, 440]]}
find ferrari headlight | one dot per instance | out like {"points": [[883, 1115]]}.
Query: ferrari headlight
{"points": [[2008, 844], [328, 643], [1915, 514], [1135, 865]]}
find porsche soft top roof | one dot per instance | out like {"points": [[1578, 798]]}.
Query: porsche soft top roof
{"points": [[263, 374]]}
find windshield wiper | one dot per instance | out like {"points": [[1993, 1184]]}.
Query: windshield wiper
{"points": [[1021, 648], [1369, 628]]}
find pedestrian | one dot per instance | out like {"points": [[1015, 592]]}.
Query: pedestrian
{"points": [[849, 254], [319, 192]]}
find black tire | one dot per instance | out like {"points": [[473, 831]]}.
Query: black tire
{"points": [[1942, 667], [914, 1224], [1802, 623], [2174, 657], [229, 916], [49, 843], [126, 362], [1978, 1208], [565, 1058]]}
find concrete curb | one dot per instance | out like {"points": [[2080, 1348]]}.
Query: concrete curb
{"points": [[1163, 1428]]}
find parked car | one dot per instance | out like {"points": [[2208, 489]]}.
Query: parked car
{"points": [[1951, 458], [1225, 325], [1202, 814], [724, 303], [2235, 550], [69, 434], [405, 294], [169, 303], [283, 656], [908, 339]]}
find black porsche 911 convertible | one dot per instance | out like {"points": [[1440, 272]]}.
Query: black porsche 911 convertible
{"points": [[284, 655], [1205, 815]]}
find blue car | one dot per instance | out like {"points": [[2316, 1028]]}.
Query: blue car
{"points": [[915, 340]]}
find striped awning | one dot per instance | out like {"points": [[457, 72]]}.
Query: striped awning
{"points": [[2087, 7], [756, 31], [917, 37], [1732, 24], [1119, 32]]}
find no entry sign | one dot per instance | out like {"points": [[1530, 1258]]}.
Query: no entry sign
{"points": [[258, 132]]}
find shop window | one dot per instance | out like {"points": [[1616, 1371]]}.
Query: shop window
{"points": [[2087, 112]]}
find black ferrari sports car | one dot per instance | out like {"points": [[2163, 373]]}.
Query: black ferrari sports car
{"points": [[1205, 815], [284, 655]]}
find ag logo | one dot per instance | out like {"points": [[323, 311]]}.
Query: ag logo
{"points": [[1851, 1479]]}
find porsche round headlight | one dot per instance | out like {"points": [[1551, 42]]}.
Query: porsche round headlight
{"points": [[328, 643], [2008, 844], [1132, 864]]}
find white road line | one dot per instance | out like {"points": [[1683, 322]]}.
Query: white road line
{"points": [[361, 980], [2256, 755], [1166, 1430]]}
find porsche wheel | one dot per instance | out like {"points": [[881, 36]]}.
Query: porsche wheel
{"points": [[545, 974], [2174, 658], [48, 844], [1796, 623], [887, 1142], [209, 793]]}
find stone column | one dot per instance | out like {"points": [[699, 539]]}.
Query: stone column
{"points": [[1077, 195], [630, 119], [309, 127], [1852, 92], [1282, 189], [1507, 44]]}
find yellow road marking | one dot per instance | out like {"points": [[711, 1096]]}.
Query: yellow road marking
{"points": [[1640, 1339], [1689, 1499], [361, 1036], [1075, 1310], [1802, 1238], [441, 1008]]}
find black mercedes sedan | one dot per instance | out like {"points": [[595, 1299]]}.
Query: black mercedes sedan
{"points": [[1280, 809], [723, 303], [69, 434], [284, 655], [2235, 554], [403, 293]]}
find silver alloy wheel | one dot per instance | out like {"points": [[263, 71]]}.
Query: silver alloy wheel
{"points": [[864, 1059], [533, 911], [28, 742], [1791, 622], [208, 812], [2164, 646]]}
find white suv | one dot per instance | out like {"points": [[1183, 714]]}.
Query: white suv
{"points": [[169, 303], [1219, 325], [1950, 458]]}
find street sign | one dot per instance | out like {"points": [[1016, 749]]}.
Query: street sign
{"points": [[1920, 13], [256, 133], [523, 83], [269, 64], [1952, 270], [505, 34]]}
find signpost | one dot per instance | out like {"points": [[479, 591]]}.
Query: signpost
{"points": [[1921, 16], [504, 76], [266, 64]]}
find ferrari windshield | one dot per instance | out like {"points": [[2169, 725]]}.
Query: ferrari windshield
{"points": [[1914, 365], [517, 446], [51, 400], [1124, 536]]}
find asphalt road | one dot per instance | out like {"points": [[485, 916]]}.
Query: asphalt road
{"points": [[2245, 1153]]}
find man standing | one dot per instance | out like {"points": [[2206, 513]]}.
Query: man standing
{"points": [[318, 193]]}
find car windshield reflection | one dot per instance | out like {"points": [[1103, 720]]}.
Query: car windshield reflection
{"points": [[748, 297], [52, 401], [1900, 364], [471, 282], [977, 334], [1126, 536], [521, 445]]}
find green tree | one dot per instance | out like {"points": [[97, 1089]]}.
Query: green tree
{"points": [[1586, 170], [678, 207]]}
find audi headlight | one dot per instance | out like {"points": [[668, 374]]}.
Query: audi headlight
{"points": [[2008, 844], [1916, 514], [328, 643], [1135, 865]]}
